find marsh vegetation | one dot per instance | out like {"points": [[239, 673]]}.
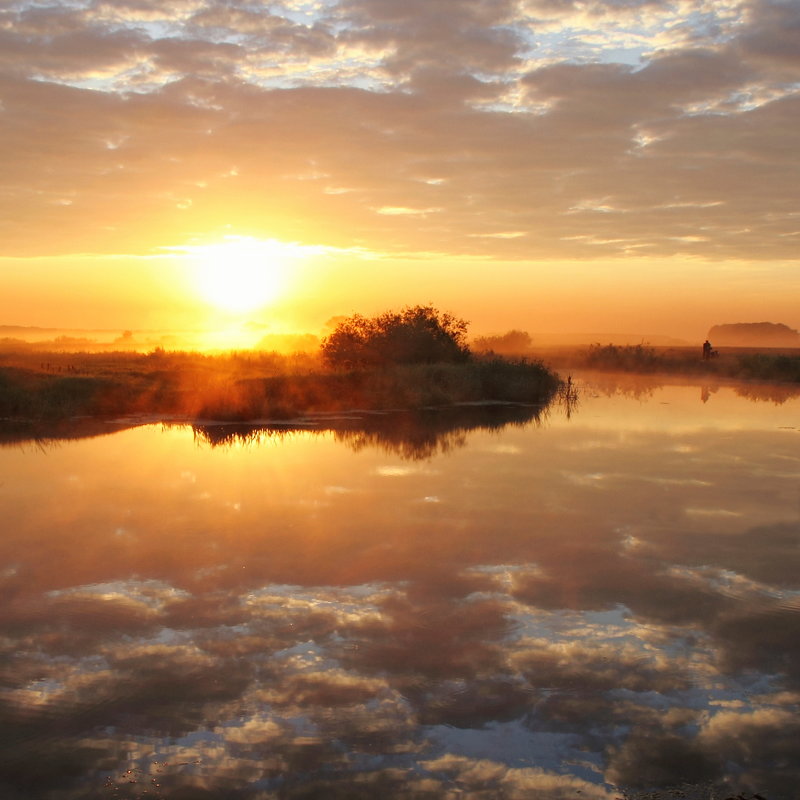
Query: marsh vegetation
{"points": [[415, 358], [746, 364], [235, 387]]}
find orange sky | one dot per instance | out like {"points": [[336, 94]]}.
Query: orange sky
{"points": [[554, 167]]}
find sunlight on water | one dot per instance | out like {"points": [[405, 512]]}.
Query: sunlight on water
{"points": [[530, 606]]}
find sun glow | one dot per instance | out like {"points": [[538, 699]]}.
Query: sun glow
{"points": [[240, 274]]}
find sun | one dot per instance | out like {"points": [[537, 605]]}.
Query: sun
{"points": [[240, 274]]}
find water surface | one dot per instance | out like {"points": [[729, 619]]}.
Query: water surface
{"points": [[521, 605]]}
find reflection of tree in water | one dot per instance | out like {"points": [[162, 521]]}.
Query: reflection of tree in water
{"points": [[411, 435], [706, 391], [423, 434], [767, 392], [637, 387], [237, 434]]}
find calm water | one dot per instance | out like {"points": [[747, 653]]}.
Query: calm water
{"points": [[550, 608]]}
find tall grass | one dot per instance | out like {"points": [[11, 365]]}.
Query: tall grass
{"points": [[777, 367], [243, 388], [628, 358], [24, 395], [405, 386], [764, 366]]}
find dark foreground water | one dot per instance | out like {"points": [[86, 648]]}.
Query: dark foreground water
{"points": [[475, 604]]}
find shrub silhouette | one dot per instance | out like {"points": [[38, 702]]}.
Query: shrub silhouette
{"points": [[415, 335]]}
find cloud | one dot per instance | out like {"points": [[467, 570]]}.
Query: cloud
{"points": [[173, 122], [770, 35], [454, 36], [264, 33]]}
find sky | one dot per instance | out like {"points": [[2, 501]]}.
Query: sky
{"points": [[548, 165]]}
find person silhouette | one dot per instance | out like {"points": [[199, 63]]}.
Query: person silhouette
{"points": [[706, 349]]}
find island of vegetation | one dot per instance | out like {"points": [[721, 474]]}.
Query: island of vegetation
{"points": [[414, 358]]}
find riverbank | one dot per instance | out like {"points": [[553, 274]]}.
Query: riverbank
{"points": [[775, 365], [252, 386]]}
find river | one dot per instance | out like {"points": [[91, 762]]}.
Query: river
{"points": [[598, 598]]}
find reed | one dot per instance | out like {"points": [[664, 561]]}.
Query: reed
{"points": [[257, 387], [754, 366]]}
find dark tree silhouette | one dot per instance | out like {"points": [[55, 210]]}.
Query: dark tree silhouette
{"points": [[415, 335]]}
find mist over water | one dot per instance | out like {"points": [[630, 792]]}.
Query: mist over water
{"points": [[502, 601]]}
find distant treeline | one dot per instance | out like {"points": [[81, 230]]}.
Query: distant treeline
{"points": [[754, 334]]}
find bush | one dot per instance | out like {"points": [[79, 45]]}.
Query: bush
{"points": [[415, 335]]}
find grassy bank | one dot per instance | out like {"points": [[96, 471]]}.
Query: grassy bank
{"points": [[730, 363], [252, 386]]}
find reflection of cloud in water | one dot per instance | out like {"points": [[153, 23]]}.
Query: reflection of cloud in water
{"points": [[674, 481], [728, 583], [352, 605], [395, 472], [589, 444], [333, 490], [504, 449], [685, 449], [711, 512], [150, 594], [482, 692], [587, 479], [482, 776]]}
